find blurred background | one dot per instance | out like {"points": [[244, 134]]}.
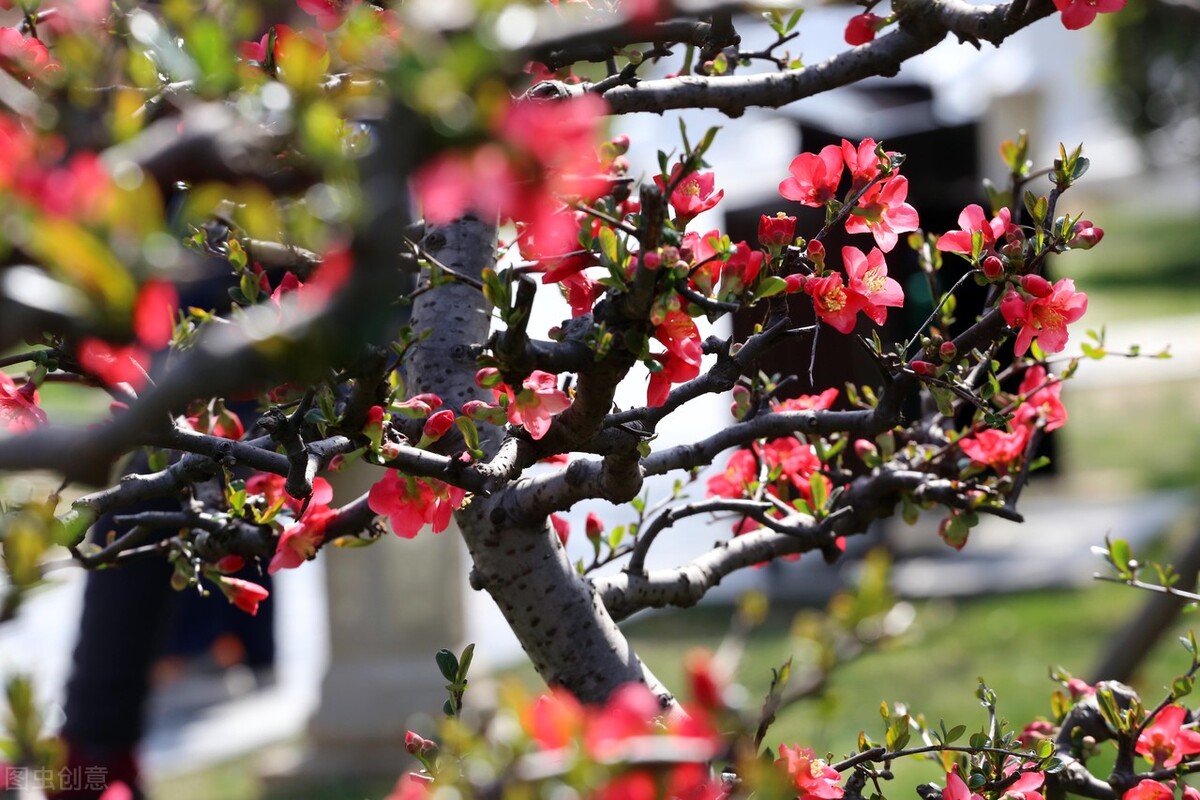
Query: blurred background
{"points": [[355, 633]]}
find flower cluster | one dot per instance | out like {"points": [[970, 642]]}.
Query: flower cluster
{"points": [[411, 503], [19, 410]]}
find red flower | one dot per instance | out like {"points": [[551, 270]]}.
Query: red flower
{"points": [[24, 57], [410, 503], [882, 211], [814, 178], [1165, 742], [593, 526], [562, 528], [956, 789], [582, 293], [19, 411], [807, 402], [1044, 317], [869, 278], [777, 232], [741, 470], [299, 541], [214, 418], [1149, 790], [693, 195], [1078, 14], [271, 487], [1041, 400], [438, 425], [681, 362], [861, 28], [994, 448], [814, 779], [243, 594], [154, 313], [833, 303], [538, 401], [555, 720], [740, 272], [112, 364], [862, 161], [972, 221], [328, 13]]}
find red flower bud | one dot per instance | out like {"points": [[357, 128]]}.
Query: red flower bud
{"points": [[993, 268], [230, 564], [925, 368], [437, 425], [375, 415], [816, 253], [947, 351], [795, 283], [865, 449], [651, 260], [861, 28], [777, 231], [561, 527], [594, 527], [620, 143], [414, 743], [1036, 285], [1086, 235]]}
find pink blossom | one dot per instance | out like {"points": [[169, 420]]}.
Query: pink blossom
{"points": [[19, 411], [243, 594], [1041, 400], [154, 313], [882, 212], [807, 402], [1165, 742], [956, 788], [869, 278], [1078, 14], [994, 448], [562, 528], [679, 334], [300, 540], [24, 56], [593, 526], [777, 232], [862, 161], [538, 401], [833, 303], [113, 364], [972, 221], [1044, 317], [438, 425], [740, 272], [812, 777], [693, 195], [1147, 789], [814, 178], [740, 472], [328, 13]]}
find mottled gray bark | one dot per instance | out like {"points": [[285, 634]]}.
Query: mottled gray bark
{"points": [[554, 612]]}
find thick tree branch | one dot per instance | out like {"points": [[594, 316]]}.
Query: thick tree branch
{"points": [[924, 24]]}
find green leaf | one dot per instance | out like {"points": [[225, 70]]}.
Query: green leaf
{"points": [[1181, 686], [470, 433], [608, 244], [464, 662], [956, 733], [1045, 748], [768, 286], [447, 664], [1120, 555]]}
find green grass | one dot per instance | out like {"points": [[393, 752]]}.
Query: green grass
{"points": [[1145, 267]]}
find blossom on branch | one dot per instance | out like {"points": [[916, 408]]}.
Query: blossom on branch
{"points": [[869, 279], [411, 503], [538, 401], [1165, 742], [19, 411], [882, 212], [812, 777], [996, 449], [834, 303], [693, 194], [1078, 14], [972, 222], [243, 594], [1041, 400], [815, 177], [1045, 317]]}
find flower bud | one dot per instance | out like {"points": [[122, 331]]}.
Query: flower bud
{"points": [[925, 368], [1086, 235], [795, 283], [816, 254], [948, 351], [620, 143], [774, 233], [741, 402], [488, 378], [861, 28], [437, 425], [1036, 285], [593, 527], [415, 743], [651, 260], [867, 452], [993, 268], [562, 528]]}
